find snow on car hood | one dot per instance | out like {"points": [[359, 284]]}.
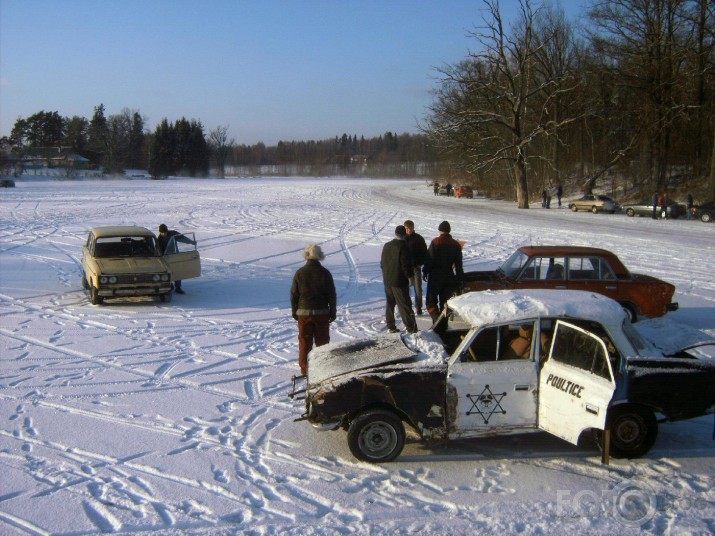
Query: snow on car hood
{"points": [[497, 306], [333, 360]]}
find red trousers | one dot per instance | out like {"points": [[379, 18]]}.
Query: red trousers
{"points": [[311, 328]]}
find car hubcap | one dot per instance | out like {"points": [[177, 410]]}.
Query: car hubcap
{"points": [[628, 430], [378, 439]]}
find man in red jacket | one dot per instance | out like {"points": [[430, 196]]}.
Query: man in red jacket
{"points": [[443, 270]]}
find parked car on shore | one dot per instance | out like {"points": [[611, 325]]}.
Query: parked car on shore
{"points": [[705, 212], [645, 208], [578, 268], [120, 261], [464, 191], [595, 204], [7, 183], [582, 368]]}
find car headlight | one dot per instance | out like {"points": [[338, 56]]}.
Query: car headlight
{"points": [[165, 277], [103, 279], [156, 278], [112, 279]]}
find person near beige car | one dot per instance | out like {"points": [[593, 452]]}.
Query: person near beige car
{"points": [[313, 303]]}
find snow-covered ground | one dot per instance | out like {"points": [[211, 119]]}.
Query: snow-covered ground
{"points": [[146, 417]]}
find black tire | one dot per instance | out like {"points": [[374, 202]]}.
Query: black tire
{"points": [[705, 218], [85, 283], [630, 212], [574, 208], [594, 210], [631, 312], [376, 436], [633, 432], [166, 297], [95, 298]]}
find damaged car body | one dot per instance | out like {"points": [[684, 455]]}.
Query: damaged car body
{"points": [[507, 362]]}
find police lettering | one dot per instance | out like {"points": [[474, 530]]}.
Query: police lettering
{"points": [[564, 385]]}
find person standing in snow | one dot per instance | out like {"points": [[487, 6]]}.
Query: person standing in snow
{"points": [[418, 251], [559, 193], [164, 241], [313, 304], [396, 266], [443, 270]]}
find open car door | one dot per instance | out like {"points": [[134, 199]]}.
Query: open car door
{"points": [[182, 257], [576, 383]]}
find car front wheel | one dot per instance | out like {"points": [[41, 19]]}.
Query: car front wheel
{"points": [[630, 212], [376, 436], [633, 432], [95, 298], [705, 218], [574, 208], [594, 210]]}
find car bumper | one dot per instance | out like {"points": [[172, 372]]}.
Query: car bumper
{"points": [[133, 291]]}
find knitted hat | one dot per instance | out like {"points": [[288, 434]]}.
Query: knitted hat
{"points": [[444, 227], [313, 252]]}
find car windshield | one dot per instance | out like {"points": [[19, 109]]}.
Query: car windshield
{"points": [[125, 246], [514, 264], [634, 337]]}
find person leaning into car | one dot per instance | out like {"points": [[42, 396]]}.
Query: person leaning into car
{"points": [[164, 239], [442, 270], [313, 303]]}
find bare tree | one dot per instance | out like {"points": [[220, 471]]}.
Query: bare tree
{"points": [[492, 107], [221, 147]]}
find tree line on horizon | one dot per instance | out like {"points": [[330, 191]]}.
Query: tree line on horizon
{"points": [[539, 102]]}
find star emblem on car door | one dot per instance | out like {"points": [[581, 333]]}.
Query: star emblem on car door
{"points": [[486, 404]]}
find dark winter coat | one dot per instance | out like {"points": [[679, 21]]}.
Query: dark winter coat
{"points": [[396, 264], [444, 261], [313, 291], [417, 247]]}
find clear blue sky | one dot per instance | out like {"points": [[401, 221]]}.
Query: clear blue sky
{"points": [[268, 69]]}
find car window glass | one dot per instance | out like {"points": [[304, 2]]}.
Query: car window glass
{"points": [[125, 246], [543, 268], [484, 347], [180, 244], [578, 348], [513, 265]]}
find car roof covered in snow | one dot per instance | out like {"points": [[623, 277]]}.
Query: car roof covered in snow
{"points": [[121, 230], [499, 306]]}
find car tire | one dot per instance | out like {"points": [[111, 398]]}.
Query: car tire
{"points": [[166, 297], [85, 283], [594, 210], [574, 208], [706, 218], [633, 432], [94, 296], [631, 312], [376, 436], [630, 212]]}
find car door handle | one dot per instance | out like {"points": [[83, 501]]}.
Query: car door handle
{"points": [[560, 286], [521, 387], [592, 409], [611, 287]]}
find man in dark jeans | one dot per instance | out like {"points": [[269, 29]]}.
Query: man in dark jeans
{"points": [[396, 268], [313, 304], [443, 270], [418, 251]]}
